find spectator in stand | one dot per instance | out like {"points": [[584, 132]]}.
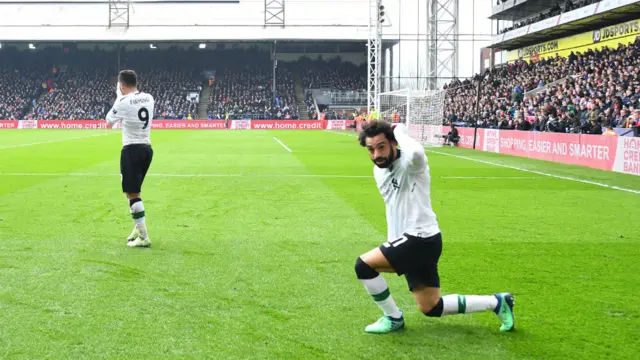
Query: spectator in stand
{"points": [[557, 9], [600, 88]]}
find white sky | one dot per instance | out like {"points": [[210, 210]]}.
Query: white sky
{"points": [[475, 31]]}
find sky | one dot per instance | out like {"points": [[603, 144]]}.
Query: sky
{"points": [[410, 56]]}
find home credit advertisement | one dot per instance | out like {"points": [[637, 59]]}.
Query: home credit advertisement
{"points": [[613, 153], [183, 124]]}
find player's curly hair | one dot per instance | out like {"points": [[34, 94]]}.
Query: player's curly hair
{"points": [[374, 128]]}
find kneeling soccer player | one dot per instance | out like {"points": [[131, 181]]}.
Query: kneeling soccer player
{"points": [[414, 240]]}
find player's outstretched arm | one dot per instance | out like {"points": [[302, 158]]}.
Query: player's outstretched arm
{"points": [[412, 148], [115, 114]]}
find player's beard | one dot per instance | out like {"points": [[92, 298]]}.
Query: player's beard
{"points": [[386, 161]]}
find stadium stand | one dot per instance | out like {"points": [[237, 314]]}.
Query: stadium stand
{"points": [[78, 94], [79, 84], [597, 89], [84, 88], [22, 79], [557, 9], [334, 74], [243, 90]]}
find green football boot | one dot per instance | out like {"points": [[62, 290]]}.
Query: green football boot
{"points": [[504, 310], [385, 325]]}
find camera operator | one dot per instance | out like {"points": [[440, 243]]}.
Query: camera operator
{"points": [[452, 136]]}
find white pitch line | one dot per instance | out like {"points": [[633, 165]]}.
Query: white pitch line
{"points": [[529, 171], [539, 172], [196, 175], [339, 133], [262, 175], [51, 141], [493, 177], [281, 143]]}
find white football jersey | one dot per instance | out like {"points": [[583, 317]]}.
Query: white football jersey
{"points": [[405, 188], [135, 110]]}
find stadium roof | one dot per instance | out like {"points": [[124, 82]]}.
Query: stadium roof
{"points": [[518, 9], [539, 32]]}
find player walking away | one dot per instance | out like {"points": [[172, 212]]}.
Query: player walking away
{"points": [[414, 240], [135, 110]]}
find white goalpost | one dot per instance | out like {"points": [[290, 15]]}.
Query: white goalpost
{"points": [[422, 112]]}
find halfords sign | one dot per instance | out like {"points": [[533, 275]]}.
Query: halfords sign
{"points": [[597, 39]]}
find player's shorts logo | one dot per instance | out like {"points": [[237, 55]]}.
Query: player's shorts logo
{"points": [[596, 36]]}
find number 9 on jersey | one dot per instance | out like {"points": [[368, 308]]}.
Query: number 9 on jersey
{"points": [[143, 115]]}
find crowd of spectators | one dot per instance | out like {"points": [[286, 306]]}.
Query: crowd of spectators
{"points": [[84, 88], [22, 80], [78, 94], [559, 8], [243, 89], [169, 88], [335, 74], [247, 93], [18, 89], [75, 84], [584, 93]]}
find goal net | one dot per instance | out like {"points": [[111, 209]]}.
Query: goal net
{"points": [[422, 112]]}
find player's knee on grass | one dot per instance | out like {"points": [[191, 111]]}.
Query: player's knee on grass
{"points": [[364, 271]]}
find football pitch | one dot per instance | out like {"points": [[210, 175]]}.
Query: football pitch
{"points": [[254, 239]]}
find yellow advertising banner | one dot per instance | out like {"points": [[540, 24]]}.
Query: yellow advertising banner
{"points": [[610, 36]]}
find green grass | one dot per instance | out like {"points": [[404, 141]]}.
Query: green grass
{"points": [[261, 266]]}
